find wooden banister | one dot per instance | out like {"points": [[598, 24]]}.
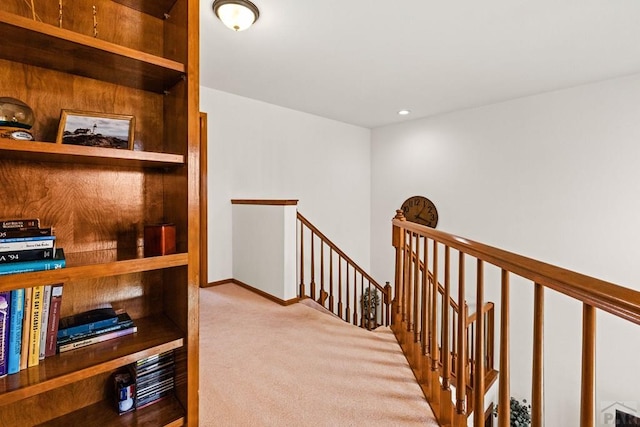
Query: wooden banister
{"points": [[350, 280], [620, 301], [469, 339]]}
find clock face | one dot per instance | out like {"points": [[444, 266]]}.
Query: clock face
{"points": [[420, 210]]}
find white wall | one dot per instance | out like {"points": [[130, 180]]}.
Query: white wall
{"points": [[262, 151], [554, 177], [264, 248]]}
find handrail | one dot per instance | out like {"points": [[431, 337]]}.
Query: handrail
{"points": [[339, 251], [474, 351], [348, 289], [615, 299]]}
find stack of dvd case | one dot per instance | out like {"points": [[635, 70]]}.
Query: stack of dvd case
{"points": [[154, 377]]}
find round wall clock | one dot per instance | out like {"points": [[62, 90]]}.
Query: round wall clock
{"points": [[420, 210]]}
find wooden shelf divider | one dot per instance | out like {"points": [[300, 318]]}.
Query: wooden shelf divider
{"points": [[92, 271], [51, 47], [166, 413], [51, 152], [155, 335]]}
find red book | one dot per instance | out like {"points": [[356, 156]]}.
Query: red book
{"points": [[54, 318]]}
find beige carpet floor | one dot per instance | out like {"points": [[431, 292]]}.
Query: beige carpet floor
{"points": [[262, 364]]}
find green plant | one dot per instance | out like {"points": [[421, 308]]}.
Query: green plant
{"points": [[370, 300], [520, 413]]}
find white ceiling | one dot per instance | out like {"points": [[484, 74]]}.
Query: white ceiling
{"points": [[360, 61]]}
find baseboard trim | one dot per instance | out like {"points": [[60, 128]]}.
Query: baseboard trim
{"points": [[254, 290], [217, 283]]}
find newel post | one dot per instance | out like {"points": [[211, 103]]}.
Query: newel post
{"points": [[397, 239]]}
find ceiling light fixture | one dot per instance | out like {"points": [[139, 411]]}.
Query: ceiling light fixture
{"points": [[236, 14], [404, 112]]}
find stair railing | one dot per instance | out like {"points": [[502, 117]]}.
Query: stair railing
{"points": [[344, 288], [429, 349]]}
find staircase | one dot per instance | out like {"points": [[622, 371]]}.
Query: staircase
{"points": [[451, 347]]}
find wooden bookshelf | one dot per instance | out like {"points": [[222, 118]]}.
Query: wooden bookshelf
{"points": [[50, 152], [155, 335], [144, 62], [89, 270], [52, 47], [165, 413]]}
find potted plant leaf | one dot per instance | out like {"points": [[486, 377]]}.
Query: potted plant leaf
{"points": [[370, 300], [520, 413]]}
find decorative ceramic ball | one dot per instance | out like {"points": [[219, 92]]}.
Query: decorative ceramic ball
{"points": [[15, 113]]}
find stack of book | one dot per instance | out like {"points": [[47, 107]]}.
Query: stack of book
{"points": [[26, 247], [28, 317], [154, 378], [92, 327]]}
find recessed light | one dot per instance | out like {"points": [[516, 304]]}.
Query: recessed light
{"points": [[404, 112]]}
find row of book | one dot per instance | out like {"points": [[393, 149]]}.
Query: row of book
{"points": [[31, 328], [27, 247], [29, 320], [145, 382]]}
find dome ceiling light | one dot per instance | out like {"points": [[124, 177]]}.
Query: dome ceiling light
{"points": [[236, 14]]}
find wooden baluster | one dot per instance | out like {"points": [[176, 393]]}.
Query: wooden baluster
{"points": [[387, 304], [340, 305], [417, 348], [587, 395], [331, 300], [461, 335], [348, 316], [397, 239], [302, 290], [361, 305], [322, 297], [471, 354], [490, 338], [454, 341], [504, 393], [538, 357], [409, 297], [425, 378], [313, 269], [435, 365], [446, 407], [478, 377], [355, 298], [403, 291]]}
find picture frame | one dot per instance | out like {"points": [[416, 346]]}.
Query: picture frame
{"points": [[92, 129]]}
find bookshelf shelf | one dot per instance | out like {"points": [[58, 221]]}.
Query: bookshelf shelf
{"points": [[52, 47], [155, 8], [165, 413], [51, 152], [91, 270], [155, 335]]}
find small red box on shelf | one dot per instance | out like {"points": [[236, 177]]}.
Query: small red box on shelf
{"points": [[159, 239]]}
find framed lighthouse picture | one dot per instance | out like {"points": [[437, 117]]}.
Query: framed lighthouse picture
{"points": [[96, 129]]}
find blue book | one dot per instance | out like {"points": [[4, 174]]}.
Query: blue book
{"points": [[37, 265], [15, 330], [86, 322], [27, 239], [5, 297]]}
